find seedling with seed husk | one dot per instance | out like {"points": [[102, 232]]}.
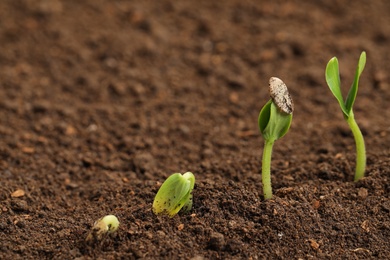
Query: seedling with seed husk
{"points": [[175, 194], [274, 122], [102, 228], [332, 76]]}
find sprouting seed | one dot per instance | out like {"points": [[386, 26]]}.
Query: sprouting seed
{"points": [[103, 227], [175, 194], [280, 95], [274, 122]]}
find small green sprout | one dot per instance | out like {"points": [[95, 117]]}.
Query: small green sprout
{"points": [[333, 80], [103, 227], [175, 194], [274, 122]]}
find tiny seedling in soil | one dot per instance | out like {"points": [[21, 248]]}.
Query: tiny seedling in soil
{"points": [[333, 80], [175, 194], [103, 227], [274, 122]]}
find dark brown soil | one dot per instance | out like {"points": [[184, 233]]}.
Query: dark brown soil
{"points": [[102, 100]]}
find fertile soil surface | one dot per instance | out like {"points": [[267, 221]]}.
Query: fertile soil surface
{"points": [[100, 101]]}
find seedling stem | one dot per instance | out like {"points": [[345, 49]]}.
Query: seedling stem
{"points": [[266, 169], [360, 147]]}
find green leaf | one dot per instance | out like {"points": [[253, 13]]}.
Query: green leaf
{"points": [[264, 116], [354, 88], [273, 123], [332, 77], [174, 194]]}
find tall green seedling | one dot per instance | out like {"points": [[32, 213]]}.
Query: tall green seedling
{"points": [[274, 122], [332, 76]]}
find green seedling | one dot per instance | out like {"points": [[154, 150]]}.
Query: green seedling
{"points": [[103, 227], [333, 80], [175, 194], [274, 122]]}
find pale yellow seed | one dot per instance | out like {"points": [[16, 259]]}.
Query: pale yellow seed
{"points": [[102, 227]]}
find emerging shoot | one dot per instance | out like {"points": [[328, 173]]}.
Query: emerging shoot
{"points": [[103, 227], [274, 122], [333, 80], [175, 194]]}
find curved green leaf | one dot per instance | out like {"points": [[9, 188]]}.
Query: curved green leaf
{"points": [[273, 123], [264, 116], [354, 88], [332, 77], [174, 194]]}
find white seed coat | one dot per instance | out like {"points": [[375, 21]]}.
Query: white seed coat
{"points": [[280, 95]]}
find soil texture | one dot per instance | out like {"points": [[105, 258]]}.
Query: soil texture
{"points": [[101, 100]]}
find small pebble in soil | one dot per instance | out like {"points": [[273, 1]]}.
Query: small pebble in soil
{"points": [[365, 225], [363, 193], [180, 227], [316, 204], [232, 224], [18, 193], [314, 244]]}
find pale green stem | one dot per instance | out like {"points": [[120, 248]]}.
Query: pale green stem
{"points": [[266, 169], [360, 147]]}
